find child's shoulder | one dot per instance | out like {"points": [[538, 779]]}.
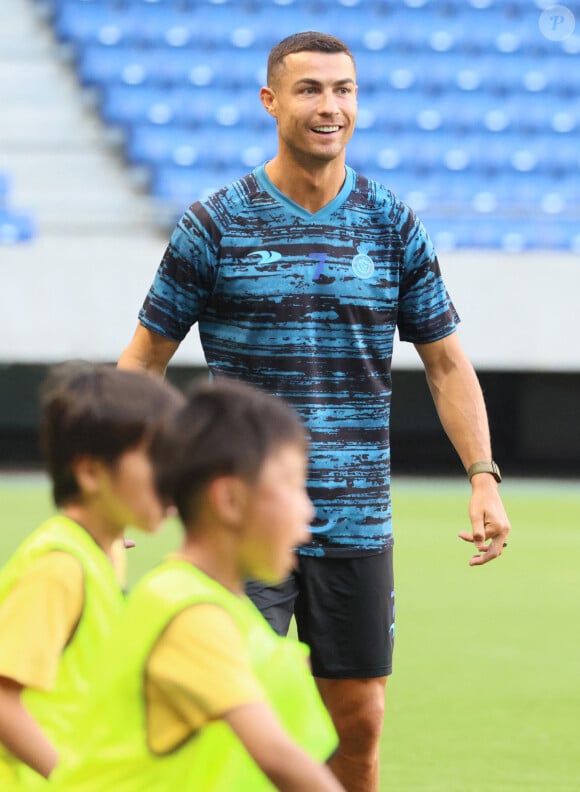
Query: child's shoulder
{"points": [[54, 576], [60, 566]]}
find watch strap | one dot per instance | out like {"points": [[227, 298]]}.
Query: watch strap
{"points": [[484, 467]]}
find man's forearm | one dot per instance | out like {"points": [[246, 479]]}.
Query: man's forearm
{"points": [[461, 408]]}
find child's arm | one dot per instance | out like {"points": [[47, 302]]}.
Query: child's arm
{"points": [[36, 621], [20, 733], [287, 766]]}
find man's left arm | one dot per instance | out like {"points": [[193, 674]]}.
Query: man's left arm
{"points": [[461, 408]]}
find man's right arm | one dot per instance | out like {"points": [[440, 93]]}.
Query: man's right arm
{"points": [[148, 351]]}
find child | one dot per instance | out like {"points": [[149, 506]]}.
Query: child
{"points": [[59, 592], [196, 693]]}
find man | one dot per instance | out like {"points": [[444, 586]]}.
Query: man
{"points": [[298, 275]]}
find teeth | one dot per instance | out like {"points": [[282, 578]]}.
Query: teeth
{"points": [[326, 129]]}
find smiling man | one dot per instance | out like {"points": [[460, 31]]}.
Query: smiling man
{"points": [[313, 97], [299, 274]]}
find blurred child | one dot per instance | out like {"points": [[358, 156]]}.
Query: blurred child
{"points": [[196, 692], [59, 593]]}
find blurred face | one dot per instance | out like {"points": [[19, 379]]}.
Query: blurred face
{"points": [[126, 493], [314, 100], [277, 516]]}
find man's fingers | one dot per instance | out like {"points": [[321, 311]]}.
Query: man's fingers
{"points": [[489, 552], [478, 541]]}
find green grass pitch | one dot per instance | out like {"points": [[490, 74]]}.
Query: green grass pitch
{"points": [[485, 696]]}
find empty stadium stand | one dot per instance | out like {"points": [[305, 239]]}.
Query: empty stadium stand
{"points": [[467, 109]]}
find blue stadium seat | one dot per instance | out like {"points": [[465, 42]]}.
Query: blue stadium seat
{"points": [[506, 233], [497, 195], [414, 151], [5, 185], [453, 110], [124, 105], [109, 23], [161, 64], [157, 24], [213, 148], [179, 187], [98, 64], [93, 22], [16, 226]]}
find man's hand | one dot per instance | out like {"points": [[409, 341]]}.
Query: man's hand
{"points": [[489, 521]]}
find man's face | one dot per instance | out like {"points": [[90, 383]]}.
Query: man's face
{"points": [[314, 100]]}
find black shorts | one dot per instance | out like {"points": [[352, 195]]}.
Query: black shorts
{"points": [[344, 609]]}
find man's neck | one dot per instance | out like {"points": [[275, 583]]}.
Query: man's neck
{"points": [[310, 188]]}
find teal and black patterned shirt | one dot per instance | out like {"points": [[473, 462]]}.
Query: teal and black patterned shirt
{"points": [[305, 306]]}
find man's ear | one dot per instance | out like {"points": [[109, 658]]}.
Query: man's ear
{"points": [[268, 99], [228, 496]]}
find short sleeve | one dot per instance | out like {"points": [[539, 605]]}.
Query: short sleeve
{"points": [[38, 617], [426, 313], [198, 671], [184, 279]]}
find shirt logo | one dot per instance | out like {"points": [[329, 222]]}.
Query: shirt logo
{"points": [[362, 265], [321, 259], [265, 256]]}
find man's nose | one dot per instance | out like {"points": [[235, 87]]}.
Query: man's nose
{"points": [[328, 102]]}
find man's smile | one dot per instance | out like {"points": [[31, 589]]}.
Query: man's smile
{"points": [[326, 129]]}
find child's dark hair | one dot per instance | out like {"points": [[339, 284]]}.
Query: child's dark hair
{"points": [[226, 428], [97, 410]]}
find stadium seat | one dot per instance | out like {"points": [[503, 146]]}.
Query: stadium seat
{"points": [[177, 26], [164, 65], [16, 226], [4, 187], [182, 145], [80, 23], [99, 64], [179, 187], [124, 105]]}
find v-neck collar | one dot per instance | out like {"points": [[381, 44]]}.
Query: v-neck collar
{"points": [[266, 184]]}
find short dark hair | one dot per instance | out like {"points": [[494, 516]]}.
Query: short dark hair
{"points": [[98, 410], [308, 41], [226, 428]]}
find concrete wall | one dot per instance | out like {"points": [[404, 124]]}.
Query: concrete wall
{"points": [[73, 295]]}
